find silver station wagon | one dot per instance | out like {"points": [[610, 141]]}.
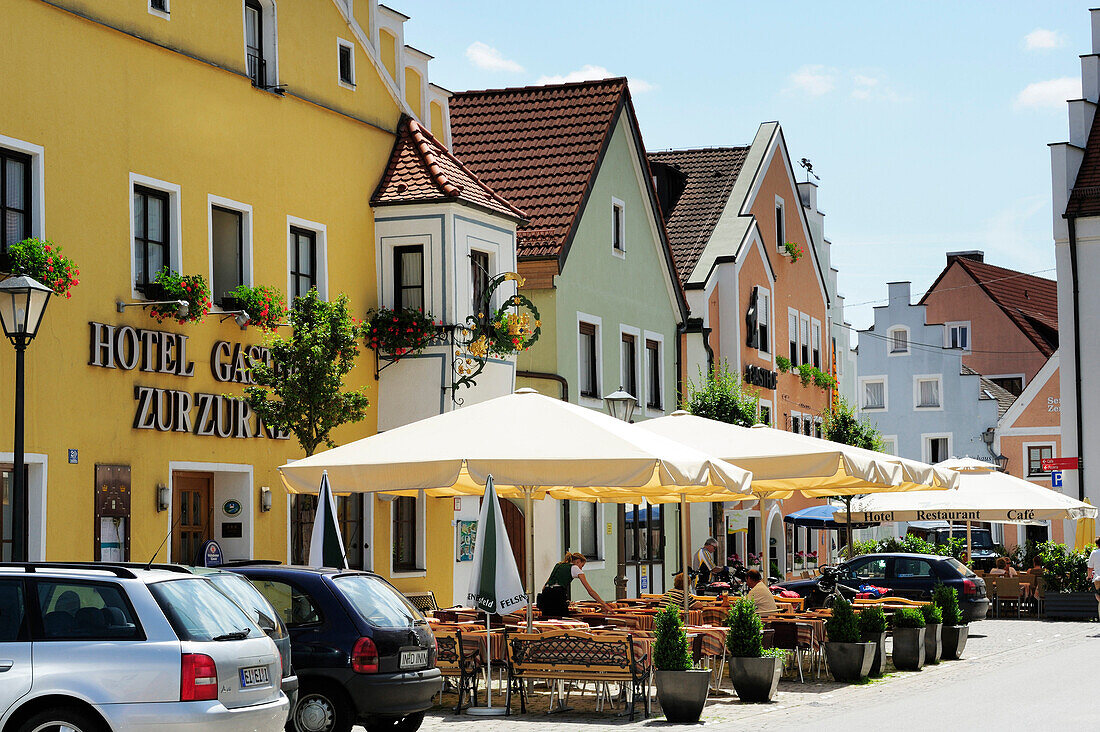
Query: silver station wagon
{"points": [[98, 649]]}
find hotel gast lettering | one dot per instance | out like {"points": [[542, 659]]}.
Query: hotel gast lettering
{"points": [[164, 141]]}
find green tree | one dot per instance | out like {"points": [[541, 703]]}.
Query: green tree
{"points": [[722, 396], [840, 424], [302, 389]]}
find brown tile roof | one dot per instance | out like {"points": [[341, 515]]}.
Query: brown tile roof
{"points": [[1030, 302], [539, 147], [422, 170], [1084, 197], [710, 175], [990, 390]]}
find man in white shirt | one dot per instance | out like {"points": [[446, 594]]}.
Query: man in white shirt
{"points": [[704, 563], [760, 594], [1094, 571]]}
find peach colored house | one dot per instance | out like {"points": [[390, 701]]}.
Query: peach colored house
{"points": [[755, 302]]}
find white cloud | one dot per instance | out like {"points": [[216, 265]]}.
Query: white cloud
{"points": [[814, 80], [865, 87], [1042, 39], [486, 57], [591, 72], [641, 87], [1050, 94]]}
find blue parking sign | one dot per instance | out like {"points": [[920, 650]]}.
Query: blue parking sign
{"points": [[1056, 479]]}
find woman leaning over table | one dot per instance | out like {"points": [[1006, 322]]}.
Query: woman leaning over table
{"points": [[553, 601]]}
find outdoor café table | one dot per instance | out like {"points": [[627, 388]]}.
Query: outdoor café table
{"points": [[798, 603], [559, 624], [713, 638], [810, 628]]}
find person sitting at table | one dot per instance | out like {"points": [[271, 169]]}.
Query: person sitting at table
{"points": [[1003, 569], [553, 601], [675, 596], [760, 594], [1036, 566]]}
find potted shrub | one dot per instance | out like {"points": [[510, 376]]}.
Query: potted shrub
{"points": [[933, 621], [1067, 591], [953, 634], [191, 289], [872, 629], [265, 305], [909, 651], [42, 260], [681, 689], [849, 658], [754, 674]]}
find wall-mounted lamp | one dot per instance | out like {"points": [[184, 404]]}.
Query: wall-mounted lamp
{"points": [[183, 308], [240, 317], [265, 499], [164, 498]]}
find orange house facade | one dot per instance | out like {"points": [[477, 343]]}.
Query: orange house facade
{"points": [[755, 281]]}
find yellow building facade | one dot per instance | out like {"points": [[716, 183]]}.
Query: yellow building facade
{"points": [[238, 116]]}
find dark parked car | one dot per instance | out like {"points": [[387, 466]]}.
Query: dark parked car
{"points": [[983, 553], [362, 652], [909, 575]]}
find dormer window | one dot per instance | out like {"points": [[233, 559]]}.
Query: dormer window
{"points": [[346, 63], [899, 341]]}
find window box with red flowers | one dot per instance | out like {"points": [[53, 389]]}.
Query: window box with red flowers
{"points": [[265, 305], [42, 260], [191, 289], [399, 332]]}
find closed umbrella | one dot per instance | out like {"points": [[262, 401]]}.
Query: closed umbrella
{"points": [[1085, 533], [534, 447], [326, 546], [495, 587]]}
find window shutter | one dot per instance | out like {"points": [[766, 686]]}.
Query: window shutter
{"points": [[753, 341]]}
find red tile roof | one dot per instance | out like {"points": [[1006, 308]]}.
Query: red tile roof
{"points": [[539, 147], [422, 170], [1030, 302], [1084, 198], [710, 174]]}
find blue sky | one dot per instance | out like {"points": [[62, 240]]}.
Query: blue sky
{"points": [[927, 122]]}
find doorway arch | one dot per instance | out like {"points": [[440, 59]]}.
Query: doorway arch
{"points": [[777, 553]]}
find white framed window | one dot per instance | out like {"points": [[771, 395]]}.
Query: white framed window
{"points": [[307, 258], [261, 43], [815, 343], [156, 230], [160, 8], [792, 336], [630, 360], [780, 226], [1012, 383], [796, 422], [928, 391], [589, 356], [618, 227], [765, 414], [957, 335], [590, 538], [654, 372], [890, 444], [873, 394], [1033, 454], [936, 446], [804, 339], [819, 427], [408, 535], [230, 245], [345, 63], [898, 340], [21, 191]]}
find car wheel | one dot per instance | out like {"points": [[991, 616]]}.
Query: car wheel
{"points": [[61, 720], [318, 711], [409, 723]]}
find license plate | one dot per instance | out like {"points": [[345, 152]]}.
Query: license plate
{"points": [[411, 659], [254, 676]]}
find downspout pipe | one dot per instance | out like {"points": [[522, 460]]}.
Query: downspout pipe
{"points": [[548, 376], [1074, 282]]}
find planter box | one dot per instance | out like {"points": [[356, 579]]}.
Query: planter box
{"points": [[1070, 605], [230, 303], [155, 292], [909, 651], [755, 679], [849, 661], [682, 694], [879, 639], [932, 646], [953, 641]]}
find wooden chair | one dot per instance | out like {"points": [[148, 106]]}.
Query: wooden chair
{"points": [[423, 601], [1009, 593], [457, 660]]}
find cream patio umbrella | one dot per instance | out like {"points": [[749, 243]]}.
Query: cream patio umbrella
{"points": [[534, 447], [784, 462]]}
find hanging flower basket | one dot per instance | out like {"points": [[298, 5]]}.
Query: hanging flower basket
{"points": [[399, 332], [265, 305], [192, 289], [793, 251], [42, 260]]}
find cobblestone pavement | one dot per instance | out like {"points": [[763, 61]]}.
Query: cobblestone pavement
{"points": [[1016, 673]]}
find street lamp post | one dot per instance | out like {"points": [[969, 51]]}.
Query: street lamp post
{"points": [[620, 405], [22, 305]]}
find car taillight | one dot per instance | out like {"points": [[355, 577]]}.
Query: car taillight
{"points": [[969, 588], [364, 657], [198, 678]]}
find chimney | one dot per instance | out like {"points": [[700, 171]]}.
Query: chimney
{"points": [[899, 295], [1094, 13], [976, 255]]}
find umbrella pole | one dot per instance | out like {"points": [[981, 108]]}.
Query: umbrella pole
{"points": [[529, 551], [685, 548], [969, 546], [765, 559]]}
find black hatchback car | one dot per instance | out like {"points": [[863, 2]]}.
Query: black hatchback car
{"points": [[909, 575], [362, 652]]}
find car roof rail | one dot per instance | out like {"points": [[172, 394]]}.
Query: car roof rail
{"points": [[166, 567], [249, 563], [33, 567]]}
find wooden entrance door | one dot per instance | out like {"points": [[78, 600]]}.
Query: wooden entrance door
{"points": [[193, 514], [513, 524]]}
